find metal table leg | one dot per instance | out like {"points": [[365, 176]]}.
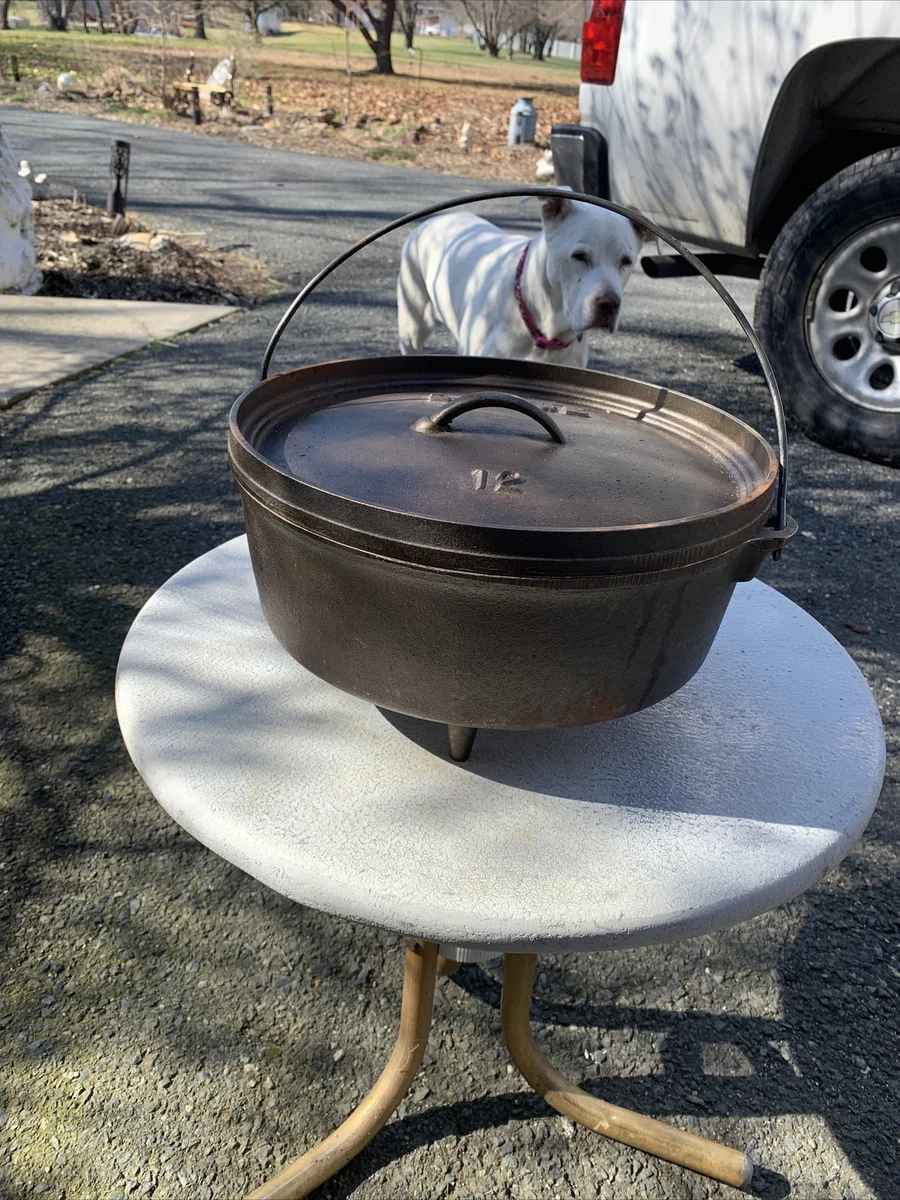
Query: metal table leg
{"points": [[644, 1133], [327, 1158]]}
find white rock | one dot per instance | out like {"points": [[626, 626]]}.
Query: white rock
{"points": [[44, 87], [465, 136], [18, 272], [37, 183], [545, 169], [66, 81], [150, 243]]}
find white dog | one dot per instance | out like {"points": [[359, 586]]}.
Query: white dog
{"points": [[503, 296]]}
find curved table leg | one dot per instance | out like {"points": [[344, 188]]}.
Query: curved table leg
{"points": [[644, 1133], [327, 1158]]}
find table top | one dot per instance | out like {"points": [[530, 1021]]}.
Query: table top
{"points": [[732, 796]]}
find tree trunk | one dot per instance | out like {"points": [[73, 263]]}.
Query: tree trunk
{"points": [[383, 63], [380, 43], [257, 35], [382, 47], [4, 14], [199, 20], [58, 13], [407, 13]]}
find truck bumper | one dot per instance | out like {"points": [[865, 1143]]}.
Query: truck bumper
{"points": [[581, 159]]}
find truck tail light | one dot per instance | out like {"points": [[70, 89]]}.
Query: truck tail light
{"points": [[600, 41]]}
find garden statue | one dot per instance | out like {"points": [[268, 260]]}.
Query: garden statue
{"points": [[18, 272]]}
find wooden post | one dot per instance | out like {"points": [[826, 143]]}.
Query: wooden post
{"points": [[270, 107], [119, 163], [14, 63], [195, 105]]}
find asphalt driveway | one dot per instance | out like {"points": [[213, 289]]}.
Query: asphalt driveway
{"points": [[292, 209], [168, 1027]]}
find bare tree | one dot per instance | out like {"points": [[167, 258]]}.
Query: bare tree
{"points": [[199, 20], [92, 10], [381, 22], [538, 23], [252, 10], [4, 14], [542, 31], [407, 14], [494, 22], [125, 13], [56, 13], [161, 13], [249, 10]]}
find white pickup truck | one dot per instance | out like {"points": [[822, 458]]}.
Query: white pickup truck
{"points": [[767, 131]]}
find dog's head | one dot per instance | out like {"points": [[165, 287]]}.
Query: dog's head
{"points": [[590, 254]]}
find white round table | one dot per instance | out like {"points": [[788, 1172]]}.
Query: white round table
{"points": [[732, 796]]}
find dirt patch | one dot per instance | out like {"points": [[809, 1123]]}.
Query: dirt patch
{"points": [[83, 254], [404, 121]]}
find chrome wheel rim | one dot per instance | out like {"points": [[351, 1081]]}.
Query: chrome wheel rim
{"points": [[853, 321]]}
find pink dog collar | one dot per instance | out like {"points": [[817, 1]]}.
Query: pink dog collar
{"points": [[542, 343]]}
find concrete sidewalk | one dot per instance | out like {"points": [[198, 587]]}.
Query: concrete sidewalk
{"points": [[46, 339]]}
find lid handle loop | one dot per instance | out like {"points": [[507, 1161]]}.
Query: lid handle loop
{"points": [[440, 422]]}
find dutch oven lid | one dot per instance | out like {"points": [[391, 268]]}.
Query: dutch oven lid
{"points": [[479, 457]]}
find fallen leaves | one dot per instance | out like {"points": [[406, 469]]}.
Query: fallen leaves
{"points": [[82, 254], [399, 120]]}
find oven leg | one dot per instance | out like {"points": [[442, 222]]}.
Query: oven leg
{"points": [[327, 1158], [460, 739], [644, 1133]]}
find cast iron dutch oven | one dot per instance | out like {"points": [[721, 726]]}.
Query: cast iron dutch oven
{"points": [[500, 544]]}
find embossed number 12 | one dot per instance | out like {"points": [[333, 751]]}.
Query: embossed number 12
{"points": [[501, 480]]}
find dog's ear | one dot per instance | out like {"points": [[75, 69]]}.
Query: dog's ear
{"points": [[555, 208], [644, 235]]}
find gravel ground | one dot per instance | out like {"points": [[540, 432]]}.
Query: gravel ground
{"points": [[170, 1028]]}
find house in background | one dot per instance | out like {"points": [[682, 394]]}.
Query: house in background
{"points": [[438, 20]]}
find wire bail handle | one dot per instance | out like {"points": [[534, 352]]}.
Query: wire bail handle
{"points": [[780, 512]]}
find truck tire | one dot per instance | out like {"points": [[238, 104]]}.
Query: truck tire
{"points": [[828, 310]]}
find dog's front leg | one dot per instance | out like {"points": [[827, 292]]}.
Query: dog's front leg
{"points": [[415, 312]]}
